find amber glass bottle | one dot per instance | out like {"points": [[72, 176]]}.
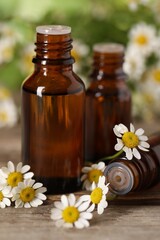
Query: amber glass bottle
{"points": [[108, 101], [125, 176], [53, 113]]}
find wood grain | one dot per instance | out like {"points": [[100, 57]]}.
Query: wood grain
{"points": [[124, 219]]}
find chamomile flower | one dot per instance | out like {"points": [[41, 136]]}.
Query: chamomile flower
{"points": [[134, 65], [92, 174], [29, 194], [5, 195], [8, 113], [12, 175], [97, 196], [130, 140], [70, 213], [143, 37]]}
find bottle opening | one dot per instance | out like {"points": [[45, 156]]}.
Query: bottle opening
{"points": [[53, 29], [120, 178], [108, 48]]}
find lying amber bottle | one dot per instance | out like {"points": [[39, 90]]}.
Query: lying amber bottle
{"points": [[135, 175], [53, 113], [108, 101]]}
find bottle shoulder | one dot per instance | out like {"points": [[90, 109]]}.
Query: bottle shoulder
{"points": [[108, 86], [54, 83]]}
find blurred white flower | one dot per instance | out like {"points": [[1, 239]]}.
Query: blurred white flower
{"points": [[134, 4], [143, 36], [6, 50], [8, 113], [27, 54], [79, 51], [134, 65], [151, 87]]}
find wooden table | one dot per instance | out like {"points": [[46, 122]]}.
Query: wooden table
{"points": [[121, 220]]}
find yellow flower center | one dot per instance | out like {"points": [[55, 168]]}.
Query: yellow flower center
{"points": [[3, 116], [156, 75], [4, 93], [96, 195], [130, 139], [27, 194], [70, 214], [141, 39], [1, 196], [94, 174], [14, 178]]}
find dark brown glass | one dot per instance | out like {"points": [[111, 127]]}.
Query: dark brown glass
{"points": [[108, 101], [53, 116], [145, 172]]}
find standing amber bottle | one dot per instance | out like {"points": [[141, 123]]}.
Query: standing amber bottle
{"points": [[127, 176], [108, 101], [53, 113]]}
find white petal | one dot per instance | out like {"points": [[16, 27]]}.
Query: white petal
{"points": [[15, 197], [71, 199], [87, 185], [67, 225], [28, 175], [86, 215], [116, 132], [25, 168], [34, 203], [100, 209], [5, 171], [143, 138], [123, 128], [38, 201], [58, 205], [142, 148], [11, 166], [105, 190], [119, 145], [2, 205], [85, 222], [29, 182], [136, 153], [93, 186], [139, 132], [132, 129], [41, 190], [144, 144], [128, 152], [101, 181], [19, 167], [79, 224], [27, 205], [101, 166], [59, 223], [83, 206], [41, 196], [91, 208], [56, 214], [18, 203], [6, 190], [6, 201], [84, 176], [86, 169], [85, 198], [104, 203], [37, 185], [64, 200]]}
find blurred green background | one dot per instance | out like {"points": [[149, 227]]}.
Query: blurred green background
{"points": [[91, 21]]}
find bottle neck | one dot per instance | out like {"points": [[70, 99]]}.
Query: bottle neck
{"points": [[108, 59], [53, 50]]}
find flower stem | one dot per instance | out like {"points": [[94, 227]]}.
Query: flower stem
{"points": [[112, 157]]}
